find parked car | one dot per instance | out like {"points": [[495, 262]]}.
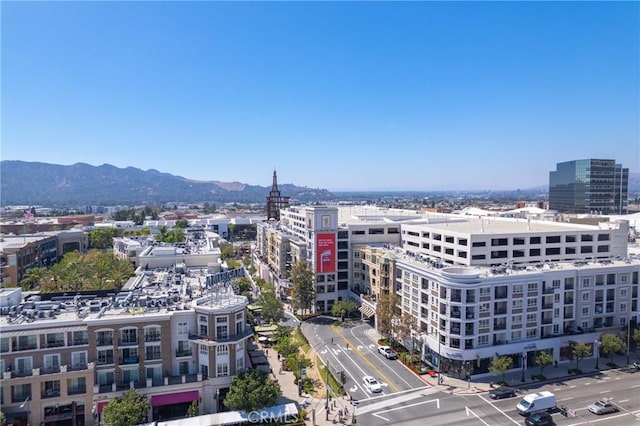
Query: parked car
{"points": [[539, 418], [372, 384], [387, 352], [602, 407], [502, 392]]}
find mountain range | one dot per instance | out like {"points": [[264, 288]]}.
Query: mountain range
{"points": [[80, 184]]}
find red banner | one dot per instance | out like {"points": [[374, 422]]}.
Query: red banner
{"points": [[325, 253]]}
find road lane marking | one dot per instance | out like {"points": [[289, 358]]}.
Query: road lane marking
{"points": [[377, 414], [623, 400], [497, 409], [468, 410], [380, 373], [607, 391], [396, 399]]}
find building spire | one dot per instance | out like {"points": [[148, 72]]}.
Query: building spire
{"points": [[275, 201], [274, 185]]}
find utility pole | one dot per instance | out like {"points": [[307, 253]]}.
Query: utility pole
{"points": [[327, 382]]}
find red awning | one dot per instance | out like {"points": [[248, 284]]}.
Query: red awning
{"points": [[100, 406], [174, 398]]}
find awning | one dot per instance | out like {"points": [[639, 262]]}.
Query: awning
{"points": [[100, 406], [174, 398], [367, 311], [16, 415]]}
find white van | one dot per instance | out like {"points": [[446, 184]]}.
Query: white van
{"points": [[541, 401]]}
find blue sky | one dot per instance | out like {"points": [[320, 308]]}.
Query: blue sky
{"points": [[336, 95]]}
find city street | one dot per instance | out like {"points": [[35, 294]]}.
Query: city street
{"points": [[355, 353], [622, 387]]}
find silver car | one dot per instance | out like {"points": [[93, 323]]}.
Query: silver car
{"points": [[602, 407]]}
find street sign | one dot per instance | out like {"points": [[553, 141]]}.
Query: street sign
{"points": [[303, 373]]}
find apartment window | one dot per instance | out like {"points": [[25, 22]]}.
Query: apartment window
{"points": [[623, 293], [479, 244], [129, 335], [105, 356], [483, 340], [570, 239], [204, 370], [204, 350], [516, 335], [516, 319], [152, 352], [603, 237], [516, 304], [448, 240], [518, 253], [499, 241], [585, 311], [556, 298], [223, 369], [585, 296], [534, 252], [483, 323], [222, 331], [586, 282], [603, 249], [623, 307], [106, 377], [570, 250], [448, 251], [517, 289], [485, 291], [239, 364], [478, 257], [24, 365], [532, 302], [531, 333], [484, 307], [78, 359], [223, 350], [52, 362], [552, 251], [462, 254], [586, 249], [518, 241], [586, 238], [183, 368], [76, 386], [462, 241], [556, 284], [183, 328], [624, 279], [499, 254], [532, 287], [531, 318], [534, 240], [556, 312], [552, 239]]}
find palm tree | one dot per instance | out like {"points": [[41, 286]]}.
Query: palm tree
{"points": [[33, 277]]}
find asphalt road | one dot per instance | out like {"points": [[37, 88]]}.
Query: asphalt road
{"points": [[407, 401], [442, 408], [353, 352]]}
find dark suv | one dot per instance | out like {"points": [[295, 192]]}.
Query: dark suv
{"points": [[539, 418], [502, 392]]}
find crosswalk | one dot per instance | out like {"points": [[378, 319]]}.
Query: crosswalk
{"points": [[398, 398]]}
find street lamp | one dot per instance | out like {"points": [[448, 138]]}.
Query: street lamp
{"points": [[524, 364], [217, 396], [26, 403], [596, 345]]}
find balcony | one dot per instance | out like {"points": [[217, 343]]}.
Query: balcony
{"points": [[129, 360], [79, 342], [20, 397], [105, 361], [152, 337], [547, 306], [183, 352], [51, 369], [78, 367], [105, 341], [128, 342], [54, 344], [25, 347], [229, 339], [568, 301], [77, 390], [153, 356], [50, 393]]}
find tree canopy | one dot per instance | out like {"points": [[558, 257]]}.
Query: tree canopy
{"points": [[384, 312], [611, 344], [580, 351], [129, 409], [303, 286], [501, 365], [252, 390], [343, 307], [272, 309], [543, 359]]}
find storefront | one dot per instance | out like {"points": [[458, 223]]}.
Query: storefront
{"points": [[172, 405]]}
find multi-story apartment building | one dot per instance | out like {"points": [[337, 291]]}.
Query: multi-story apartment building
{"points": [[593, 186], [465, 316], [174, 337]]}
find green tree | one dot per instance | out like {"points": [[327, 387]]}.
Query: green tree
{"points": [[281, 333], [303, 287], [33, 277], [286, 347], [580, 351], [182, 223], [193, 410], [272, 309], [543, 359], [342, 308], [635, 336], [501, 365], [102, 238], [252, 390], [384, 311], [3, 419], [296, 362], [129, 409], [610, 344]]}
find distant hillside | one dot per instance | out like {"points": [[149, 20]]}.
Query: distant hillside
{"points": [[82, 184]]}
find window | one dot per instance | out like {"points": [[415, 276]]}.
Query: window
{"points": [[24, 365], [534, 252], [586, 282], [623, 307], [479, 244], [534, 240], [129, 335], [204, 370], [585, 296], [483, 323], [478, 257], [204, 350], [532, 302], [516, 304], [183, 328], [516, 335], [531, 318], [518, 241], [585, 311], [183, 368], [532, 287], [239, 364], [531, 333], [484, 307], [105, 357], [152, 352], [483, 340], [517, 289], [556, 284], [570, 239], [223, 369], [586, 249], [52, 362], [222, 350], [485, 291], [78, 360], [556, 298], [552, 239], [499, 241], [603, 237], [586, 238], [516, 319], [623, 293]]}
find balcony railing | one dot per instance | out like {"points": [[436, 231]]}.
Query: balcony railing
{"points": [[20, 397], [105, 341], [77, 390], [128, 342], [105, 361], [51, 369], [129, 360], [183, 352], [153, 356], [232, 338], [79, 342], [50, 393], [25, 347], [54, 344], [152, 337]]}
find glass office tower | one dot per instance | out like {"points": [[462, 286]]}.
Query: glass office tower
{"points": [[592, 186]]}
